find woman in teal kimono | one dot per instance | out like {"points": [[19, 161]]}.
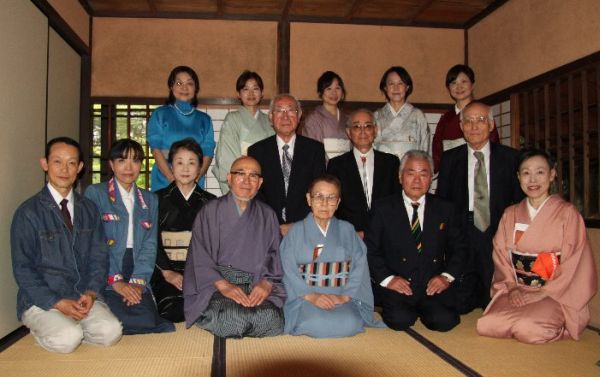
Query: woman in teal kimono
{"points": [[241, 128], [326, 275]]}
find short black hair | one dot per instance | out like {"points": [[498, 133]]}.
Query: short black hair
{"points": [[122, 147], [248, 75], [171, 81], [326, 79], [64, 140], [327, 178], [188, 144], [527, 153], [404, 76], [457, 70]]}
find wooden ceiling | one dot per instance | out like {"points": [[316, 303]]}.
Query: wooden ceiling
{"points": [[428, 13]]}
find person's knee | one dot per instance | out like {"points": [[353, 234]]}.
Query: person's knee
{"points": [[65, 340], [399, 320], [441, 321], [110, 332], [528, 330]]}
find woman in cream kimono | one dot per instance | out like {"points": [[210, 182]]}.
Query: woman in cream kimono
{"points": [[544, 270], [327, 123], [241, 128], [402, 127]]}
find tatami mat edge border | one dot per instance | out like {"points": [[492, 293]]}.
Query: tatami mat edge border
{"points": [[217, 368], [13, 337], [459, 365]]}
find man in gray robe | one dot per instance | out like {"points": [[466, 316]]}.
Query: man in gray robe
{"points": [[232, 283]]}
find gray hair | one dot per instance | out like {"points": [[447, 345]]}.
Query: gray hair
{"points": [[416, 154], [361, 110], [490, 114], [285, 95]]}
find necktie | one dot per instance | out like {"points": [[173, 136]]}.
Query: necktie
{"points": [[481, 198], [415, 227], [365, 180], [286, 168], [66, 214]]}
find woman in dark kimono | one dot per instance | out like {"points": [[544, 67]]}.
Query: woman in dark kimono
{"points": [[178, 205]]}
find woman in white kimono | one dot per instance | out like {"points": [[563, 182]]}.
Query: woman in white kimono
{"points": [[326, 275], [402, 127], [544, 273], [327, 123], [241, 128]]}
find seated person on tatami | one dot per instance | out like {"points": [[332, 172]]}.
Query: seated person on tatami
{"points": [[60, 259]]}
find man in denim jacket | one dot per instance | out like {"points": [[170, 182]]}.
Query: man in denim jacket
{"points": [[60, 259]]}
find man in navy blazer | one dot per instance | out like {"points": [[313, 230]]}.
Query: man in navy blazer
{"points": [[366, 174], [416, 248], [456, 182], [306, 157]]}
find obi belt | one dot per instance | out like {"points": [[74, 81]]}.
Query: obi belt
{"points": [[533, 270], [176, 244], [325, 274]]}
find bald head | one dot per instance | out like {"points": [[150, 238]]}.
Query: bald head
{"points": [[477, 123], [244, 178]]}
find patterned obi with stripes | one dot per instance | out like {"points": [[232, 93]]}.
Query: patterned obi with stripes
{"points": [[325, 274]]}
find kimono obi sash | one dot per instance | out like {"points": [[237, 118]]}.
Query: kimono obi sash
{"points": [[176, 244], [325, 274], [533, 270]]}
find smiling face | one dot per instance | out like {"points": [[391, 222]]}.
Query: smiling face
{"points": [[285, 117], [126, 169], [415, 178], [185, 167], [245, 178], [323, 200], [535, 178], [333, 94], [62, 167], [250, 94], [362, 131], [184, 88], [395, 88], [461, 88]]}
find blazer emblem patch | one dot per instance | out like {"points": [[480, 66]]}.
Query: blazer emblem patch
{"points": [[110, 217]]}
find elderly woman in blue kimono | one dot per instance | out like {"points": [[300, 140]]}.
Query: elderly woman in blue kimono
{"points": [[326, 275], [129, 216]]}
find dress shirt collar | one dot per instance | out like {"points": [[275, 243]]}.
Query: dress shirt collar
{"points": [[408, 201], [358, 154], [58, 197], [486, 150], [281, 143], [124, 193]]}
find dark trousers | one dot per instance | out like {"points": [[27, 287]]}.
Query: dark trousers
{"points": [[436, 313]]}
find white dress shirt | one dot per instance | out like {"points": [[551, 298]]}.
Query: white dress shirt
{"points": [[370, 164], [58, 198], [281, 143], [128, 200]]}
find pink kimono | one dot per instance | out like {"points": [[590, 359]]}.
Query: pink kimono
{"points": [[557, 306]]}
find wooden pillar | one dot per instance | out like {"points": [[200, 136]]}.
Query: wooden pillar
{"points": [[283, 56]]}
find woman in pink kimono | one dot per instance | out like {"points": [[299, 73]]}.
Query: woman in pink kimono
{"points": [[544, 270]]}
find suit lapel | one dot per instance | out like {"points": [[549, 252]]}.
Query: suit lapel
{"points": [[273, 151], [463, 175], [377, 175], [431, 221], [355, 177]]}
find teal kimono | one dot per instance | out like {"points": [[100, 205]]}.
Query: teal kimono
{"points": [[332, 264]]}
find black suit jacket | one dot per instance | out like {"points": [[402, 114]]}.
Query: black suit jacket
{"points": [[392, 250], [504, 186], [308, 163], [353, 207]]}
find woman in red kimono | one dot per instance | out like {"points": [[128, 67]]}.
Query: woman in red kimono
{"points": [[544, 270]]}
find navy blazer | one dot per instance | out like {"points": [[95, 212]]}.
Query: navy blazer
{"points": [[392, 250], [504, 187], [353, 207], [308, 163]]}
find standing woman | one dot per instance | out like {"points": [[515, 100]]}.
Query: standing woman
{"points": [[460, 81], [177, 120], [241, 128], [327, 123], [402, 127], [178, 205], [129, 215], [544, 276]]}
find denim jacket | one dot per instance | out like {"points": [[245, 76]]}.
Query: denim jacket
{"points": [[51, 263], [115, 219]]}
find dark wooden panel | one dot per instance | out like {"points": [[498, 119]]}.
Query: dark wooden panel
{"points": [[201, 6], [331, 8], [264, 7], [119, 5]]}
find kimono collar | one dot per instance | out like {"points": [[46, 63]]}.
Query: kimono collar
{"points": [[533, 211], [404, 110], [112, 193]]}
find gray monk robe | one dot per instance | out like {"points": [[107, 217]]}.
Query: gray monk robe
{"points": [[243, 249]]}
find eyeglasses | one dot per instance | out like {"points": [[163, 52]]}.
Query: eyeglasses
{"points": [[482, 119], [181, 84], [289, 112], [364, 127], [241, 175], [327, 199]]}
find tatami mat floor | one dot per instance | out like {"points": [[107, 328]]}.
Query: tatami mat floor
{"points": [[377, 352]]}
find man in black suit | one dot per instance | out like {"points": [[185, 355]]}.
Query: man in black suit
{"points": [[481, 205], [366, 174], [289, 162], [415, 248]]}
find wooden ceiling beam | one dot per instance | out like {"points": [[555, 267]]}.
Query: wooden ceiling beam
{"points": [[419, 10], [220, 8], [286, 10], [353, 9], [152, 6]]}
